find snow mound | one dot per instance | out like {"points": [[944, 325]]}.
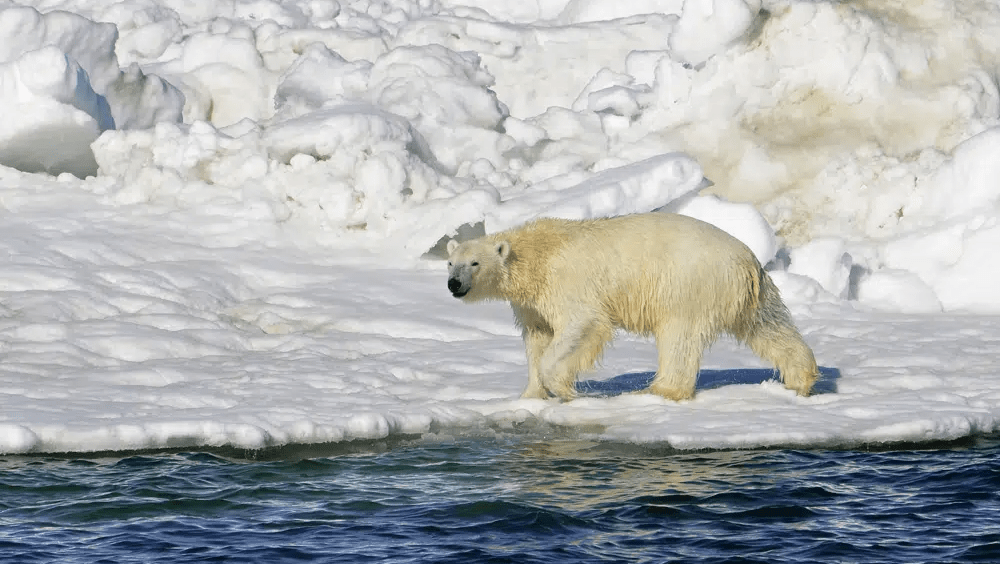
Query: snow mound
{"points": [[60, 87]]}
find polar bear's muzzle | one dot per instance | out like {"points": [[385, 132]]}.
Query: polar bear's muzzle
{"points": [[456, 288]]}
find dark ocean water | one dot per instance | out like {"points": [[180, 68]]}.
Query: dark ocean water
{"points": [[518, 499]]}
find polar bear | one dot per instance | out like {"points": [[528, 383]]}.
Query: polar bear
{"points": [[678, 279]]}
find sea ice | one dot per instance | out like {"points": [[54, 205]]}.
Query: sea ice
{"points": [[220, 220]]}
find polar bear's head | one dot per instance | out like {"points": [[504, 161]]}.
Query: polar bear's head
{"points": [[475, 268]]}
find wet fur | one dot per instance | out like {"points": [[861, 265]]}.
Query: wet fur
{"points": [[682, 281]]}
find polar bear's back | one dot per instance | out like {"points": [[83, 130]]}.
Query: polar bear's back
{"points": [[638, 266], [638, 239]]}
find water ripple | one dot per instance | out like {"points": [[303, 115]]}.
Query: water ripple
{"points": [[507, 500]]}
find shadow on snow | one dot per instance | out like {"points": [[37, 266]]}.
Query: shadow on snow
{"points": [[707, 380]]}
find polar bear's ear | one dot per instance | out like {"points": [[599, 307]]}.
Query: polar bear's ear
{"points": [[503, 249], [451, 246]]}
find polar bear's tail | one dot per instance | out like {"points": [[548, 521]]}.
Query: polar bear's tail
{"points": [[769, 331]]}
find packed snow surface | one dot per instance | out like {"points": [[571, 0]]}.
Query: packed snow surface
{"points": [[223, 222]]}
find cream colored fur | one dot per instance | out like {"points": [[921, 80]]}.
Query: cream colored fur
{"points": [[680, 280]]}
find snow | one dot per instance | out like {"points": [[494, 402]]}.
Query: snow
{"points": [[60, 87], [222, 222]]}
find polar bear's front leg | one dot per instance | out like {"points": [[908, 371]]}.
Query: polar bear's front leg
{"points": [[574, 348], [556, 370], [535, 343], [537, 335]]}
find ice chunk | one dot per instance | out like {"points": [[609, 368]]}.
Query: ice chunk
{"points": [[742, 221], [634, 188], [60, 87]]}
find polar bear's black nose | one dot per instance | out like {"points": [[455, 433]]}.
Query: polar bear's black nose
{"points": [[453, 285]]}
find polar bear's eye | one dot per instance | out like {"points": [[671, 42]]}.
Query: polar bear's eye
{"points": [[449, 264], [475, 264]]}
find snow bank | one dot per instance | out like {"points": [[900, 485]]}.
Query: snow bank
{"points": [[394, 129], [955, 223]]}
